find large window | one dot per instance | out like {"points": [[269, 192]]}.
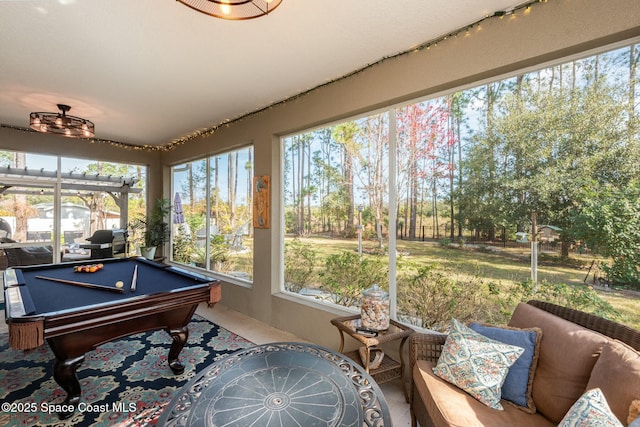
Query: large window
{"points": [[51, 205], [420, 198], [213, 226]]}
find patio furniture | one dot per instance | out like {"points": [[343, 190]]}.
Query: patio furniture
{"points": [[577, 352], [31, 255], [107, 243], [280, 384], [389, 369]]}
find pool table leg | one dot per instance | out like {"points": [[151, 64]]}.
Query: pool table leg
{"points": [[64, 372], [179, 337]]}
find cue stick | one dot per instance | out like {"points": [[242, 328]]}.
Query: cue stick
{"points": [[83, 284], [134, 278]]}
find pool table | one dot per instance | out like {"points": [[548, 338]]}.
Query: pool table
{"points": [[75, 318]]}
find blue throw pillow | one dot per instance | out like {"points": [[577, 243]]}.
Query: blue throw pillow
{"points": [[476, 364], [518, 384]]}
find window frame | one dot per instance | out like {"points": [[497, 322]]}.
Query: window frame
{"points": [[247, 283], [392, 110]]}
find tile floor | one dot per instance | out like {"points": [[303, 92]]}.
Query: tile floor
{"points": [[261, 333]]}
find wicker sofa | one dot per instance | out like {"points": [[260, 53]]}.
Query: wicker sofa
{"points": [[29, 255], [577, 351]]}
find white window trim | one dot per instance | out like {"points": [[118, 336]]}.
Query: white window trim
{"points": [[279, 288]]}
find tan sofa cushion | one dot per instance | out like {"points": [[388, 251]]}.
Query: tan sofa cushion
{"points": [[617, 374], [568, 353], [450, 406]]}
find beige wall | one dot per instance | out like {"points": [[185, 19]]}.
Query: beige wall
{"points": [[550, 31]]}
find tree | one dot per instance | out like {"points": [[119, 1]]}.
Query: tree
{"points": [[425, 142], [232, 180], [345, 135], [373, 173], [299, 177], [610, 223], [248, 166], [479, 196], [21, 207], [547, 144], [324, 175]]}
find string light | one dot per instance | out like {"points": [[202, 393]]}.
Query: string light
{"points": [[201, 134]]}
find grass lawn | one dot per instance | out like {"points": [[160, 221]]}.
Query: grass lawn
{"points": [[627, 303], [496, 265]]}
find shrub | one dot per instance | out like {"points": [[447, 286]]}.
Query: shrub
{"points": [[432, 296], [218, 255], [444, 242], [182, 246], [582, 298], [299, 262], [345, 277]]}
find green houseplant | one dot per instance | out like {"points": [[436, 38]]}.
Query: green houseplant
{"points": [[154, 227]]}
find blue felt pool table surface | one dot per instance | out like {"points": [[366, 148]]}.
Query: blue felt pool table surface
{"points": [[49, 297], [75, 319]]}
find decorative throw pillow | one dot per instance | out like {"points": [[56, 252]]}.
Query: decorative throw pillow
{"points": [[476, 364], [617, 375], [518, 385], [634, 413], [591, 410]]}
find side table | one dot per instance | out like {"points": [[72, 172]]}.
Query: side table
{"points": [[389, 369]]}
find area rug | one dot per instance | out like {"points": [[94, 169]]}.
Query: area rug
{"points": [[124, 383]]}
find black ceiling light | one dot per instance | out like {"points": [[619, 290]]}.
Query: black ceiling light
{"points": [[62, 124], [233, 9]]}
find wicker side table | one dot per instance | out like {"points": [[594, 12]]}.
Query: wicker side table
{"points": [[389, 369]]}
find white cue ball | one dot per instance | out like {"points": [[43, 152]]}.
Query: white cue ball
{"points": [[119, 284]]}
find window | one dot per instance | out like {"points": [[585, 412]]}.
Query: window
{"points": [[92, 195], [335, 198], [391, 192], [213, 228]]}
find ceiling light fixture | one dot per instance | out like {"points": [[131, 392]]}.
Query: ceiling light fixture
{"points": [[233, 9], [62, 124]]}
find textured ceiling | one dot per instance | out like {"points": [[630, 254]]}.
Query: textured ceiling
{"points": [[147, 72]]}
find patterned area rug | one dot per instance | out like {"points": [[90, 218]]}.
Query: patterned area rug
{"points": [[124, 383]]}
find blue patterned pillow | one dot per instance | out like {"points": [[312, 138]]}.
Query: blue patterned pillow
{"points": [[591, 410], [476, 364], [518, 386]]}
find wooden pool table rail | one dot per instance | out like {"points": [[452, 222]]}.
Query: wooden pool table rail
{"points": [[72, 333]]}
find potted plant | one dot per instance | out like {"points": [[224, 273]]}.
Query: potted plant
{"points": [[154, 227]]}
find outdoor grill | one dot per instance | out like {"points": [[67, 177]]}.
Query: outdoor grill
{"points": [[107, 243]]}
